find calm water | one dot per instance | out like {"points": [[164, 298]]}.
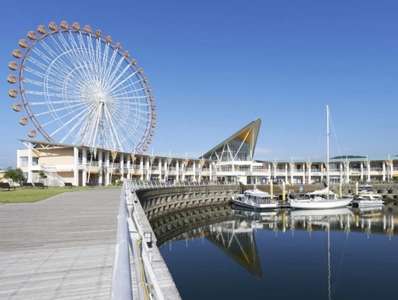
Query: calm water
{"points": [[230, 254]]}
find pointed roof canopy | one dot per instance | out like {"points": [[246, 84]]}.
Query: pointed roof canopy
{"points": [[247, 134]]}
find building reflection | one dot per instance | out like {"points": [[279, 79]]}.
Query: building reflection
{"points": [[237, 241], [233, 231]]}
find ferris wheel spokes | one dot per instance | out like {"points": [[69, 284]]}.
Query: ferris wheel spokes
{"points": [[77, 86]]}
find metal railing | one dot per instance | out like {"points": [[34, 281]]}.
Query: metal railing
{"points": [[133, 242], [121, 279], [153, 184]]}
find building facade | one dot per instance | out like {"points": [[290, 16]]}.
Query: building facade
{"points": [[230, 161]]}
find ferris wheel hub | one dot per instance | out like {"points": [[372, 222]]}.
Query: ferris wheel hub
{"points": [[100, 97]]}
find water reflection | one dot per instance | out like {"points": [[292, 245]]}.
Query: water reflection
{"points": [[200, 222], [329, 252]]}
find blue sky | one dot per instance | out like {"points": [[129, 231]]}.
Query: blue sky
{"points": [[216, 66]]}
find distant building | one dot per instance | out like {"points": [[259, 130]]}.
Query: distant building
{"points": [[2, 175], [233, 159], [230, 161]]}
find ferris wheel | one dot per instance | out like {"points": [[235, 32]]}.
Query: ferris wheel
{"points": [[78, 87]]}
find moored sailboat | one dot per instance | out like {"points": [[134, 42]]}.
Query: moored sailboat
{"points": [[322, 199]]}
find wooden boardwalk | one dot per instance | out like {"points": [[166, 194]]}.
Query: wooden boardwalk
{"points": [[59, 248]]}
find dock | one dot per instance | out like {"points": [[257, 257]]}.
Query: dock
{"points": [[59, 248]]}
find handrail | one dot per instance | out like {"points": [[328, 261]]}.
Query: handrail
{"points": [[148, 287], [132, 240], [121, 279], [149, 184]]}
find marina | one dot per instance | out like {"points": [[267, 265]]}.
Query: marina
{"points": [[221, 225], [314, 197], [247, 250], [319, 254], [177, 216]]}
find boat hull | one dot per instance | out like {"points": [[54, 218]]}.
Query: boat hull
{"points": [[319, 204], [253, 205], [367, 203], [254, 200]]}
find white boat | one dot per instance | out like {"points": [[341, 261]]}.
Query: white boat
{"points": [[255, 199], [368, 200], [320, 203], [324, 198]]}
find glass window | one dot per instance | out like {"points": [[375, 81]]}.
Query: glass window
{"points": [[24, 161]]}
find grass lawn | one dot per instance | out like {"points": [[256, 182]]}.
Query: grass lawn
{"points": [[25, 195]]}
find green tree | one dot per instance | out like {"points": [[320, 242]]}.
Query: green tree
{"points": [[42, 175], [15, 174]]}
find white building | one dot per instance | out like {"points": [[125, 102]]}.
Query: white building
{"points": [[230, 161]]}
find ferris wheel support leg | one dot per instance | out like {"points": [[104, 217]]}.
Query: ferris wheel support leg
{"points": [[30, 163], [128, 169], [122, 166], [149, 171], [84, 162], [142, 169], [76, 166], [100, 167], [107, 168]]}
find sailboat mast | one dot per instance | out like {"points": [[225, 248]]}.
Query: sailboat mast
{"points": [[329, 267], [327, 148]]}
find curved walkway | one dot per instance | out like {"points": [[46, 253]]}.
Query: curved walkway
{"points": [[59, 248]]}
